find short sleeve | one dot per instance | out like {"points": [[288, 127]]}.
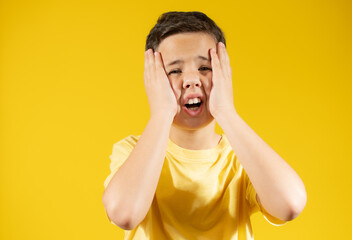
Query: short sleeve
{"points": [[254, 206], [120, 152]]}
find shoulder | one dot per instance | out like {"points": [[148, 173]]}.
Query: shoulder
{"points": [[131, 139], [124, 146], [128, 142]]}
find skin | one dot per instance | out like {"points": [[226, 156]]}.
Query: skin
{"points": [[128, 198], [191, 76]]}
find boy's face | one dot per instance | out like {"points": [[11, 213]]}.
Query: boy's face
{"points": [[190, 76]]}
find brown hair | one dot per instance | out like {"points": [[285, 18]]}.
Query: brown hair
{"points": [[170, 23]]}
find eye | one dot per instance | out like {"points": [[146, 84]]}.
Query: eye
{"points": [[174, 71], [179, 71], [204, 68]]}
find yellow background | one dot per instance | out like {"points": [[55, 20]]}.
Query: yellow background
{"points": [[72, 85]]}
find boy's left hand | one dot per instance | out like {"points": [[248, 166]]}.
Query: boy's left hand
{"points": [[221, 93]]}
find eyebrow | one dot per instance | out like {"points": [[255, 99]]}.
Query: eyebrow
{"points": [[181, 61]]}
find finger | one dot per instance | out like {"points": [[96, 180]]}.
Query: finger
{"points": [[151, 64], [215, 63], [161, 69], [159, 65], [146, 66], [214, 58], [222, 56], [227, 60]]}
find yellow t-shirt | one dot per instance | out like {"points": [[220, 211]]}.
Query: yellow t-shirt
{"points": [[201, 194]]}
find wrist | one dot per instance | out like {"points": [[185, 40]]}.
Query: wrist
{"points": [[225, 113], [163, 117], [227, 120]]}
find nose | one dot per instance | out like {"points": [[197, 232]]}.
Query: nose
{"points": [[191, 80]]}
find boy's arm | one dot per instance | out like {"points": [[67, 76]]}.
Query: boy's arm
{"points": [[281, 191], [130, 192]]}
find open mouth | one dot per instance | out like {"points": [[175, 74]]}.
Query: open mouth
{"points": [[193, 106]]}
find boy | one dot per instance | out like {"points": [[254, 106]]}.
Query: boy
{"points": [[179, 179]]}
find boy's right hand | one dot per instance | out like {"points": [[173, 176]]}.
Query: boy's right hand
{"points": [[161, 97]]}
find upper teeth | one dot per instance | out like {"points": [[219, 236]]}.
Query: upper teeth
{"points": [[194, 100]]}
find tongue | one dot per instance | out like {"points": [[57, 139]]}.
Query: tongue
{"points": [[193, 108]]}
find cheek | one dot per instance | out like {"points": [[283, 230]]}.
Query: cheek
{"points": [[176, 88], [207, 86]]}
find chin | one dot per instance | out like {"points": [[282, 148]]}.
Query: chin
{"points": [[192, 124]]}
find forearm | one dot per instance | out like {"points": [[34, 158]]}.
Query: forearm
{"points": [[130, 192], [280, 189]]}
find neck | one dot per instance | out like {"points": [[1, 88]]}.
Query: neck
{"points": [[195, 139]]}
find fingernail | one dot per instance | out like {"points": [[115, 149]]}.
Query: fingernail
{"points": [[155, 53], [222, 44]]}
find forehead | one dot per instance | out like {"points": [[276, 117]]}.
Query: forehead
{"points": [[186, 45]]}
